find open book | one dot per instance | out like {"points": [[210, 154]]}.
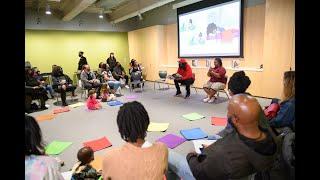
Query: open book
{"points": [[198, 144]]}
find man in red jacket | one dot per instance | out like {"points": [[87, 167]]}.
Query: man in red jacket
{"points": [[183, 76]]}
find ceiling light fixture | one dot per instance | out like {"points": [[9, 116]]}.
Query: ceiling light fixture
{"points": [[101, 14], [48, 12]]}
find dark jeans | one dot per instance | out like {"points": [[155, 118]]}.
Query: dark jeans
{"points": [[64, 92], [32, 94], [186, 82], [97, 86]]}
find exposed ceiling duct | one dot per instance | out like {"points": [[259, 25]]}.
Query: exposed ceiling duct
{"points": [[143, 10], [184, 3]]}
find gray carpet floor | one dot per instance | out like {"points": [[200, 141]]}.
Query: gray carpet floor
{"points": [[80, 125]]}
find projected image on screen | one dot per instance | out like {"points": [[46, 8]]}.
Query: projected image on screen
{"points": [[212, 31]]}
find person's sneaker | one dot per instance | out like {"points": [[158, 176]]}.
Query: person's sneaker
{"points": [[126, 86], [178, 94], [206, 99], [212, 100], [187, 96], [64, 104]]}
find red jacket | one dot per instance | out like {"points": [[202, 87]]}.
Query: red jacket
{"points": [[186, 74]]}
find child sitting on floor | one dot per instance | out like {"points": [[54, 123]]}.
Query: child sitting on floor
{"points": [[105, 94], [83, 169], [92, 102]]}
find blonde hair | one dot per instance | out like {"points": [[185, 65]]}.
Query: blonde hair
{"points": [[288, 85]]}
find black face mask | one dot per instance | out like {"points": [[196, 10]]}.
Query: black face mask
{"points": [[182, 65]]}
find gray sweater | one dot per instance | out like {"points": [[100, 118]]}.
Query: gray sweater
{"points": [[85, 77]]}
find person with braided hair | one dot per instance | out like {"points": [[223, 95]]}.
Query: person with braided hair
{"points": [[136, 159]]}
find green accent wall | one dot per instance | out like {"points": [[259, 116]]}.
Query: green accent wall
{"points": [[43, 48]]}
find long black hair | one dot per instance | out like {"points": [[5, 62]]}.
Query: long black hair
{"points": [[33, 137], [133, 121]]}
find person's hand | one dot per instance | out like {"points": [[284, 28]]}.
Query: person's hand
{"points": [[90, 81], [64, 87], [205, 145], [193, 152], [35, 87], [70, 85]]}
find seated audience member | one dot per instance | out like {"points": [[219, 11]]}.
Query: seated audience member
{"points": [[42, 82], [82, 169], [135, 67], [89, 80], [37, 164], [217, 81], [111, 61], [105, 94], [119, 74], [111, 81], [92, 102], [183, 76], [285, 117], [249, 149], [238, 83], [136, 159], [62, 83], [33, 90]]}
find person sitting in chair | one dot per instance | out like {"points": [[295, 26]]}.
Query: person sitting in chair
{"points": [[248, 149], [89, 79], [34, 90], [62, 83], [217, 81], [120, 75], [184, 76], [135, 67]]}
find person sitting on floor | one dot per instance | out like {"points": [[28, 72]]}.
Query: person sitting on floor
{"points": [[92, 102], [62, 84], [89, 79], [105, 94], [136, 159], [217, 81], [183, 76], [249, 149], [83, 169], [120, 75], [34, 90], [37, 164], [285, 117]]}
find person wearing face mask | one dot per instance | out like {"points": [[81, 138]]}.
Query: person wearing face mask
{"points": [[111, 61], [183, 76], [249, 149], [89, 79], [62, 83], [82, 61]]}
